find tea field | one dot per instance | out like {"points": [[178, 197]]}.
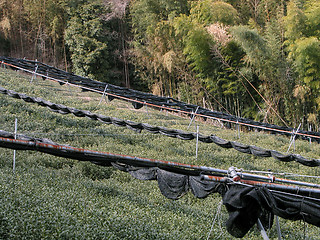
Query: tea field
{"points": [[55, 198]]}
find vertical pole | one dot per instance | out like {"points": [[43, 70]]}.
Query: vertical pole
{"points": [[34, 73], [146, 107], [309, 137], [238, 127], [104, 93], [194, 114], [278, 228], [197, 142], [292, 140], [14, 151], [262, 231], [69, 87]]}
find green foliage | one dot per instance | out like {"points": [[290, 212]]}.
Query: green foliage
{"points": [[146, 14], [95, 172], [307, 60], [266, 57], [303, 45], [163, 46], [253, 44], [198, 45], [211, 11], [313, 15], [157, 50], [295, 23], [85, 37]]}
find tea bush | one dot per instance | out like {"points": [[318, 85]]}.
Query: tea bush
{"points": [[55, 198]]}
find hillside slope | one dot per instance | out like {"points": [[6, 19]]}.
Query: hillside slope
{"points": [[51, 197]]}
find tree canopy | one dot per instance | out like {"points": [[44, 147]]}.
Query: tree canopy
{"points": [[252, 58]]}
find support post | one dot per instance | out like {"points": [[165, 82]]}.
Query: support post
{"points": [[238, 128], [262, 231], [194, 114], [146, 107], [292, 140], [310, 137], [34, 73], [69, 87], [197, 142], [278, 228], [167, 109], [104, 93], [14, 151]]}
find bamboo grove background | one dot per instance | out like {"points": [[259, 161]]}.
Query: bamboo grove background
{"points": [[220, 54]]}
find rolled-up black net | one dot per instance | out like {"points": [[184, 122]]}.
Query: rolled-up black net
{"points": [[245, 204]]}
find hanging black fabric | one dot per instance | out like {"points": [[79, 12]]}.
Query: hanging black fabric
{"points": [[246, 204], [202, 188], [292, 207], [244, 210], [172, 185]]}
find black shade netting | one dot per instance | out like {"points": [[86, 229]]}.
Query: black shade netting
{"points": [[202, 188], [172, 185], [246, 204], [243, 208], [141, 173], [290, 206]]}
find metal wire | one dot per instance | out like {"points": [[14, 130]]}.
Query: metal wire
{"points": [[280, 173], [214, 220]]}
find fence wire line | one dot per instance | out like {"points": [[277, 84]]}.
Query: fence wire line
{"points": [[174, 133], [139, 99]]}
